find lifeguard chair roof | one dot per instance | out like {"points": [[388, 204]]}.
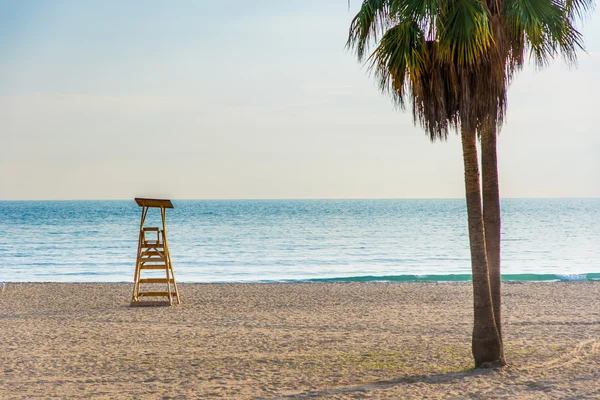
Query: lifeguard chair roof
{"points": [[153, 202]]}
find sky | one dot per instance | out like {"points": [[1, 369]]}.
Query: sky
{"points": [[253, 100]]}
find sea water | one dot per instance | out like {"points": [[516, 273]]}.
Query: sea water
{"points": [[296, 240]]}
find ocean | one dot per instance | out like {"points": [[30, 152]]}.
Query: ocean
{"points": [[297, 240]]}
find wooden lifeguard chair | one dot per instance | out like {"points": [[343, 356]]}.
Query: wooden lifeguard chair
{"points": [[153, 254]]}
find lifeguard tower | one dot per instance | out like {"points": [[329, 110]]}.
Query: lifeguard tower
{"points": [[153, 254]]}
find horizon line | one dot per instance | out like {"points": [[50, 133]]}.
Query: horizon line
{"points": [[302, 198]]}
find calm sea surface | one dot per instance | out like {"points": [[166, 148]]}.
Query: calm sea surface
{"points": [[281, 240]]}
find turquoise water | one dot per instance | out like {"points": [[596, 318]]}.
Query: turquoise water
{"points": [[297, 240]]}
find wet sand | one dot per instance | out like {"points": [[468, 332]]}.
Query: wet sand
{"points": [[296, 341]]}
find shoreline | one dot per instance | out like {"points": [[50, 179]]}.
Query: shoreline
{"points": [[402, 278], [295, 340]]}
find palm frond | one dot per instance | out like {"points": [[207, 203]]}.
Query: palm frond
{"points": [[464, 31], [409, 69], [579, 8], [371, 21], [423, 12], [434, 98], [398, 57], [376, 16], [544, 27]]}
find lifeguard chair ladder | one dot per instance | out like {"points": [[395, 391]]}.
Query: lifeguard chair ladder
{"points": [[153, 254]]}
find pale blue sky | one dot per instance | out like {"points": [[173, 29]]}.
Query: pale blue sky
{"points": [[238, 99]]}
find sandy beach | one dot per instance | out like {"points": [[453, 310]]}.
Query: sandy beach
{"points": [[294, 341]]}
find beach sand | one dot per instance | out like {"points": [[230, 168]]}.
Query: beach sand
{"points": [[295, 341]]}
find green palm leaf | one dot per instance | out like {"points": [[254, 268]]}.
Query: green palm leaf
{"points": [[543, 26], [579, 8], [376, 16], [372, 19], [399, 55], [464, 31]]}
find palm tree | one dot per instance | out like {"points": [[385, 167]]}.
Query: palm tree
{"points": [[454, 60], [419, 58], [544, 29]]}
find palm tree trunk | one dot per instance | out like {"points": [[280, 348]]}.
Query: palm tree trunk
{"points": [[491, 215], [486, 344]]}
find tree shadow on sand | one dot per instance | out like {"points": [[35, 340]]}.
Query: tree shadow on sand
{"points": [[365, 388]]}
